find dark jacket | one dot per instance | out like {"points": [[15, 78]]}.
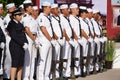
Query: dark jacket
{"points": [[17, 33]]}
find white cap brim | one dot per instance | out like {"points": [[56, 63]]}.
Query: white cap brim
{"points": [[54, 6], [8, 6], [35, 7], [46, 3], [73, 5], [64, 6]]}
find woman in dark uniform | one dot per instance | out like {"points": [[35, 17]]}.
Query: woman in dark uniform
{"points": [[18, 44]]}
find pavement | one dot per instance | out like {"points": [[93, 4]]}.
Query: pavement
{"points": [[112, 74]]}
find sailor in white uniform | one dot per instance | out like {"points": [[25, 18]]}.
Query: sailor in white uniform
{"points": [[47, 40], [85, 34], [75, 23], [68, 33], [31, 31]]}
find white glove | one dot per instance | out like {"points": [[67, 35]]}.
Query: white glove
{"points": [[82, 41], [25, 46], [37, 41], [2, 45], [101, 40], [72, 42], [90, 40], [54, 42], [105, 39], [61, 41], [76, 43], [96, 40]]}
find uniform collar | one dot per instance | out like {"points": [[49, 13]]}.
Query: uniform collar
{"points": [[15, 21]]}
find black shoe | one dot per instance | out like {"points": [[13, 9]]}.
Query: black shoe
{"points": [[6, 79], [83, 74]]}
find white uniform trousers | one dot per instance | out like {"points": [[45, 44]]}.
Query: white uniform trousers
{"points": [[7, 62], [84, 45], [27, 60], [57, 57], [91, 59], [97, 41], [44, 65], [67, 55], [32, 63]]}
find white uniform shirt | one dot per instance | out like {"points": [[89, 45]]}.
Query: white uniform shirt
{"points": [[84, 26], [56, 26], [33, 25], [90, 25], [7, 20], [65, 25], [96, 27], [44, 21], [2, 24], [75, 25], [29, 21]]}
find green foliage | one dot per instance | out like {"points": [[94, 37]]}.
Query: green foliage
{"points": [[5, 2], [110, 50]]}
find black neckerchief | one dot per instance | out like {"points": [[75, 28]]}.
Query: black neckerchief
{"points": [[88, 26], [50, 25], [79, 27], [69, 25], [59, 24]]}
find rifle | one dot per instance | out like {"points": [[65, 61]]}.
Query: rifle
{"points": [[36, 63], [61, 63], [95, 59], [88, 58], [72, 63], [82, 64], [53, 66], [104, 54], [101, 57]]}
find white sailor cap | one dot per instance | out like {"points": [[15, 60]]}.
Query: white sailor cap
{"points": [[21, 6], [54, 6], [64, 6], [27, 2], [1, 5], [10, 5], [35, 7], [83, 7], [89, 10], [95, 11], [73, 5], [46, 3]]}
